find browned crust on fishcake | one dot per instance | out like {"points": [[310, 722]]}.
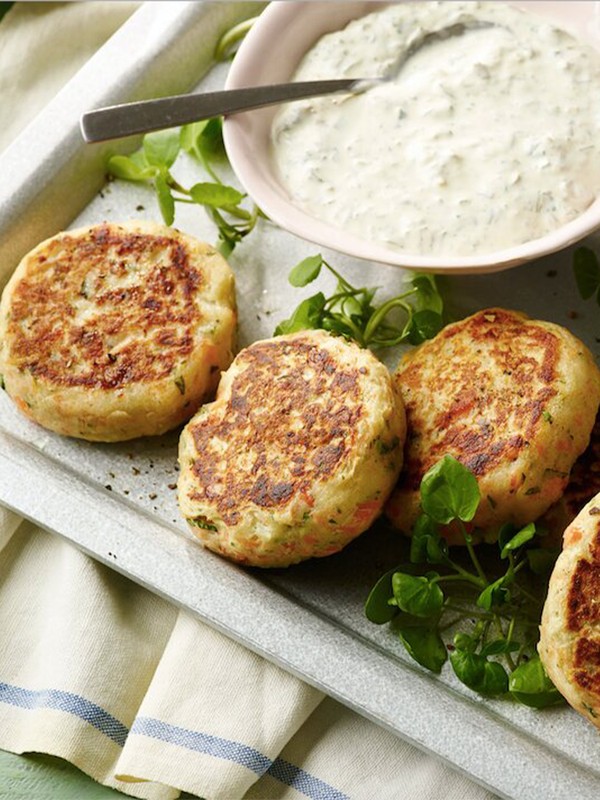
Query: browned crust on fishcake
{"points": [[583, 485], [583, 603], [265, 395], [586, 665], [298, 453], [511, 398], [483, 447], [45, 338], [583, 617], [116, 331], [570, 630]]}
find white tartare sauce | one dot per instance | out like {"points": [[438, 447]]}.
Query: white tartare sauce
{"points": [[482, 141]]}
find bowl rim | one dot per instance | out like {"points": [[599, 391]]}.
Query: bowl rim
{"points": [[247, 148]]}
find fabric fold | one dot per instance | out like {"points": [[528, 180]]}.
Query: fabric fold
{"points": [[151, 701], [83, 646], [9, 522], [216, 715]]}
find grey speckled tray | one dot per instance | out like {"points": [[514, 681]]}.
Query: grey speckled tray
{"points": [[117, 502]]}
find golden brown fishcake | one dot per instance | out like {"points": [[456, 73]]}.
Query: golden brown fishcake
{"points": [[570, 631], [513, 399], [116, 331], [297, 454], [583, 485]]}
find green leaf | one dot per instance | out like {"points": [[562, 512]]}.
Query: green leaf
{"points": [[306, 271], [377, 608], [499, 646], [351, 306], [426, 543], [479, 674], [494, 595], [468, 668], [515, 541], [161, 148], [424, 325], [587, 271], [215, 195], [428, 297], [210, 142], [449, 491], [306, 317], [166, 202], [417, 594], [189, 134], [462, 641], [506, 533], [127, 169], [351, 311], [495, 679], [204, 139], [425, 645], [530, 685], [338, 326]]}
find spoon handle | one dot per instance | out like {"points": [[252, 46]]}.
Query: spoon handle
{"points": [[126, 119]]}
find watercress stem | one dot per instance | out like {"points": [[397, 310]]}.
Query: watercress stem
{"points": [[464, 577], [471, 551], [382, 312], [467, 612], [509, 634], [173, 184], [480, 582], [342, 281]]}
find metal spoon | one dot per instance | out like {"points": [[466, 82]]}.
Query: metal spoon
{"points": [[168, 112], [126, 119]]}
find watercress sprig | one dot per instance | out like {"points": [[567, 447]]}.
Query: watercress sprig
{"points": [[203, 141], [493, 652], [352, 312]]}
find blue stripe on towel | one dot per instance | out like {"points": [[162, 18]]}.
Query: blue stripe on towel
{"points": [[68, 702], [303, 782], [203, 743], [215, 746], [242, 754]]}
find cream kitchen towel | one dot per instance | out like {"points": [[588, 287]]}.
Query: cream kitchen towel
{"points": [[42, 45], [101, 672], [97, 670], [149, 700]]}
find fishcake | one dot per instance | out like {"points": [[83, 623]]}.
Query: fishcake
{"points": [[116, 331], [513, 399], [569, 644], [584, 484], [298, 453]]}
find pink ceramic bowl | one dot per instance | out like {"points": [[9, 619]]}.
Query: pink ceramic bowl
{"points": [[270, 54]]}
